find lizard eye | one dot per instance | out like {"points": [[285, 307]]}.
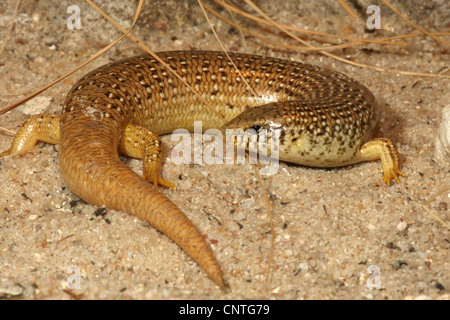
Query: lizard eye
{"points": [[256, 128]]}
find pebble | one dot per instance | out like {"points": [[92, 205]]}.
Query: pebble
{"points": [[402, 226], [10, 290], [304, 266], [442, 149]]}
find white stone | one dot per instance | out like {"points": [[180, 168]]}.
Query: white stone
{"points": [[442, 149]]}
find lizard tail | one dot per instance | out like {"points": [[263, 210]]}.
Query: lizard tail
{"points": [[99, 177]]}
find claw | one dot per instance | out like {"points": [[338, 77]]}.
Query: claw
{"points": [[392, 174], [158, 181]]}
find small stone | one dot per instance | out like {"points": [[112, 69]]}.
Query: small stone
{"points": [[402, 226], [303, 266], [398, 264], [442, 149], [10, 290], [439, 286]]}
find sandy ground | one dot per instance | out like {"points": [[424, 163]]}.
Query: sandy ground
{"points": [[330, 226]]}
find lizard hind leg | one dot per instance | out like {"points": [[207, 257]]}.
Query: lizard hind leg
{"points": [[385, 150], [43, 127], [141, 143]]}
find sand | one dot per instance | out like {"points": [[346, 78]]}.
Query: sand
{"points": [[332, 227]]}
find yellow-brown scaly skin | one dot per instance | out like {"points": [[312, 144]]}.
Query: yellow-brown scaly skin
{"points": [[326, 120]]}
